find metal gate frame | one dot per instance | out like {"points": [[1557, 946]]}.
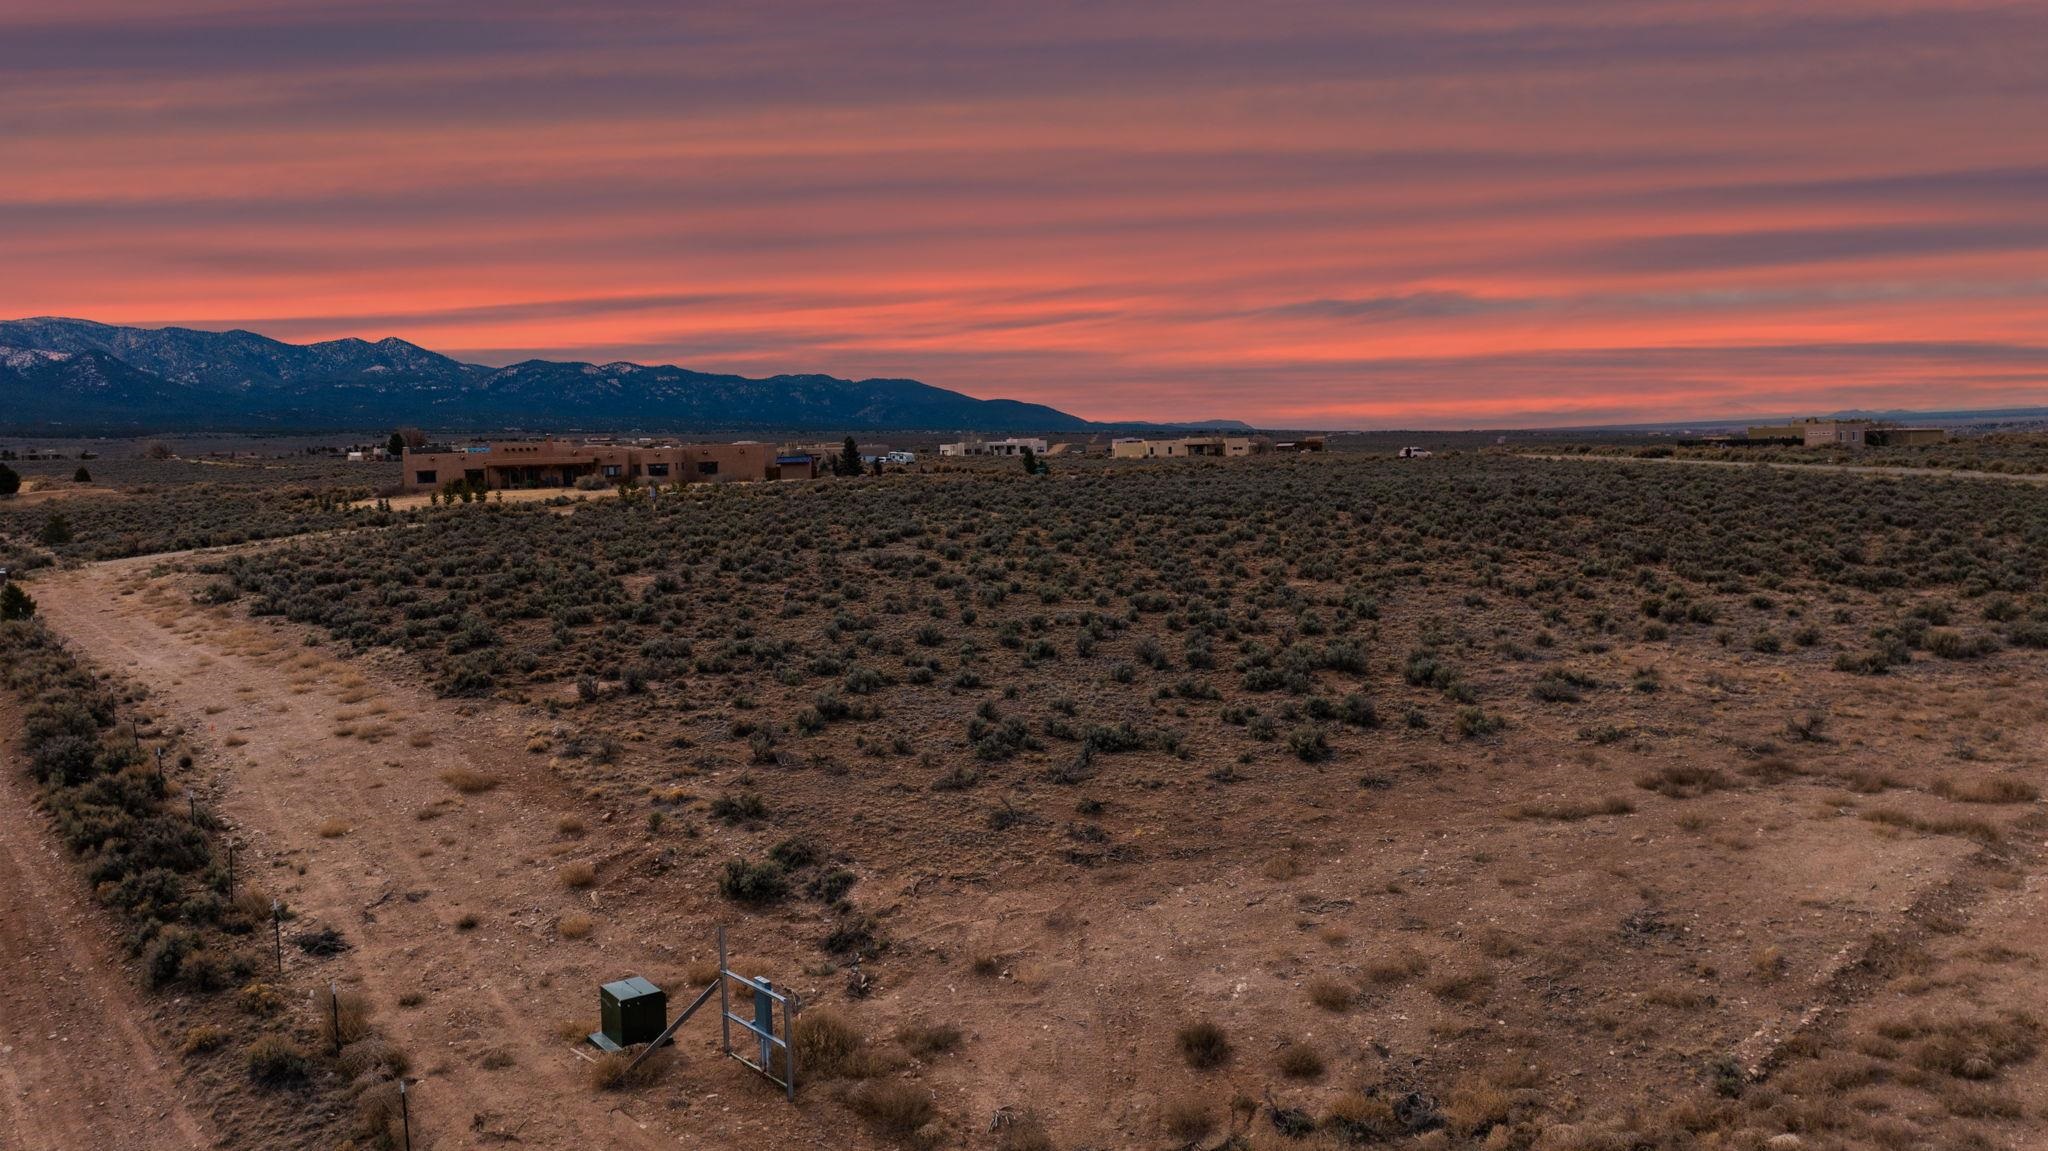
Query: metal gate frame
{"points": [[762, 1025]]}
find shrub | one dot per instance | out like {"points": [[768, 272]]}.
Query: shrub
{"points": [[275, 1061], [753, 883], [1203, 1044], [829, 1046], [1299, 1061]]}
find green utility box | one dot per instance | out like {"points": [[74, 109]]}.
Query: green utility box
{"points": [[633, 1011]]}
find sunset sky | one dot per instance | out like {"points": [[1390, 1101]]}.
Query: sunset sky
{"points": [[1341, 214]]}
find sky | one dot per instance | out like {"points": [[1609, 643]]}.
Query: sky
{"points": [[1297, 213]]}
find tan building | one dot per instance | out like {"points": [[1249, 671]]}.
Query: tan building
{"points": [[1191, 446], [1014, 446], [1778, 432], [1835, 433], [553, 463]]}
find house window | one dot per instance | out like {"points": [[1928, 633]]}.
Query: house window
{"points": [[707, 467], [657, 469], [613, 471], [423, 477]]}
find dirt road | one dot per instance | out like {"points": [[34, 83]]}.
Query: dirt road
{"points": [[335, 790], [76, 1068]]}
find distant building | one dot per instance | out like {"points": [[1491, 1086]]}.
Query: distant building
{"points": [[796, 466], [1013, 446], [1304, 444], [1197, 446], [552, 463], [1778, 432], [1907, 437], [1835, 433]]}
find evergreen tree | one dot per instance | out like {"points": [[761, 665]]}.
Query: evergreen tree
{"points": [[15, 604], [849, 460], [397, 445], [81, 476], [10, 480], [1030, 462], [56, 530]]}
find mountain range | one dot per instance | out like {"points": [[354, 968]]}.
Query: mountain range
{"points": [[77, 377]]}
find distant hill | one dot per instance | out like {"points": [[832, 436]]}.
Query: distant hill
{"points": [[81, 377]]}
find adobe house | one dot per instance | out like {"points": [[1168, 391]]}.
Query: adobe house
{"points": [[1196, 446], [552, 463]]}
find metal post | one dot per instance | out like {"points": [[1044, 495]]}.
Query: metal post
{"points": [[789, 1010], [231, 869], [405, 1113], [277, 932], [334, 1004], [192, 803], [724, 995], [764, 1020], [160, 765]]}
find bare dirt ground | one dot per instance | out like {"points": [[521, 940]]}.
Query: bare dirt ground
{"points": [[79, 1065], [1608, 954], [415, 857]]}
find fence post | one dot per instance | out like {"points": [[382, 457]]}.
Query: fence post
{"points": [[724, 996], [334, 1005], [789, 1012], [404, 1113], [277, 932], [764, 1022]]}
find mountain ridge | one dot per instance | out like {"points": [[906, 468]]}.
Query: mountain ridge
{"points": [[116, 378]]}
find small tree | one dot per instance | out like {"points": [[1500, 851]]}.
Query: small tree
{"points": [[56, 530], [15, 603], [157, 450], [1030, 462], [397, 444], [849, 460], [10, 480], [81, 476], [878, 465]]}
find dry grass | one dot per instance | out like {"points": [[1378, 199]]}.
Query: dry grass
{"points": [[1188, 1119], [1355, 1117], [1570, 810], [571, 825], [608, 1071], [1470, 986], [577, 875], [1987, 789], [421, 739], [468, 781], [894, 1106], [203, 1038], [1398, 968], [574, 926], [333, 827], [233, 741], [346, 1016], [829, 1046], [1969, 827], [1331, 993], [925, 1040]]}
